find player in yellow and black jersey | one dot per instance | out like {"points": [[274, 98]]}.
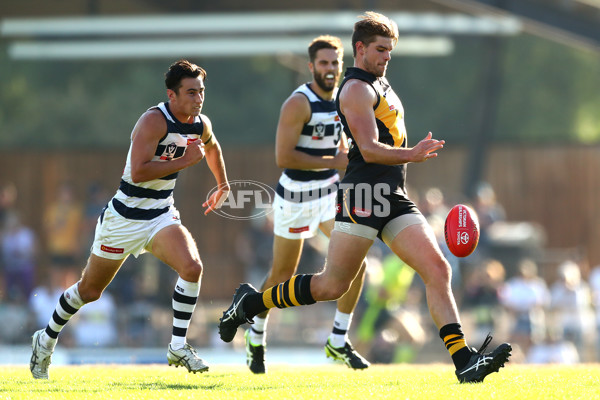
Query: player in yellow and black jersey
{"points": [[372, 203]]}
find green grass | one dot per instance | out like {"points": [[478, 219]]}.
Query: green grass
{"points": [[403, 381]]}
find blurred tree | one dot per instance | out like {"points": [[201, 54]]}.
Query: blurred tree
{"points": [[550, 92]]}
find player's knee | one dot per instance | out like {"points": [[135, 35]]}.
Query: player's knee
{"points": [[331, 291], [89, 294], [191, 271], [440, 272]]}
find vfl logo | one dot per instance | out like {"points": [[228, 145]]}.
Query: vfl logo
{"points": [[319, 131], [169, 152]]}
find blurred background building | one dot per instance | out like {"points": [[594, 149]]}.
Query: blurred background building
{"points": [[513, 86]]}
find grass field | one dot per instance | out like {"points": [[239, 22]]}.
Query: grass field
{"points": [[402, 381]]}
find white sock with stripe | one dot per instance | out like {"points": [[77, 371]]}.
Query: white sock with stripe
{"points": [[258, 331], [341, 324], [68, 304], [185, 297]]}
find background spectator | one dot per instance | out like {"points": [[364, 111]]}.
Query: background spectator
{"points": [[18, 256], [62, 228], [571, 306], [526, 297]]}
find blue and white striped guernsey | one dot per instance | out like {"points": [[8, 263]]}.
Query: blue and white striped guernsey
{"points": [[148, 200], [320, 136]]}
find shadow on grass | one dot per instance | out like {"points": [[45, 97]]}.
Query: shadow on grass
{"points": [[119, 387]]}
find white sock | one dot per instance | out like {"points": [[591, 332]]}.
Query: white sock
{"points": [[341, 324], [185, 297], [258, 331], [69, 303]]}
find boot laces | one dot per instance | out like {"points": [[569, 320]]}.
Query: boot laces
{"points": [[485, 344]]}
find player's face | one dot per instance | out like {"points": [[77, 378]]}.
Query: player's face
{"points": [[188, 100], [376, 55], [327, 69]]}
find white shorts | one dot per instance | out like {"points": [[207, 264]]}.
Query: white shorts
{"points": [[117, 237], [301, 220]]}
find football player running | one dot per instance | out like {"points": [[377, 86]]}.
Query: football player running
{"points": [[141, 217], [311, 146]]}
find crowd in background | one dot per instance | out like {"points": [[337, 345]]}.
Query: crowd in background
{"points": [[548, 309]]}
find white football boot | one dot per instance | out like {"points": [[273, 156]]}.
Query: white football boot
{"points": [[186, 357], [40, 358]]}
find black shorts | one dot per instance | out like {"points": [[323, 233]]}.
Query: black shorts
{"points": [[372, 211]]}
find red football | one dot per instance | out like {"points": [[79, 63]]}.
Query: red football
{"points": [[461, 230]]}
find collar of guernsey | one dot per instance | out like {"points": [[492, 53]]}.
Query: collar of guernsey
{"points": [[389, 112]]}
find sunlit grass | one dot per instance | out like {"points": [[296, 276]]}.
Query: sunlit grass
{"points": [[300, 382]]}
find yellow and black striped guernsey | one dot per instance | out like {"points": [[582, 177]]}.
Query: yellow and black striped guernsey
{"points": [[389, 115]]}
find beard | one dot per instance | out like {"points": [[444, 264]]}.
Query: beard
{"points": [[322, 83]]}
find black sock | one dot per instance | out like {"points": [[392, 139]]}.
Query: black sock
{"points": [[455, 342], [291, 293]]}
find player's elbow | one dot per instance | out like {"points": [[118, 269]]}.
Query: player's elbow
{"points": [[368, 154], [136, 177], [282, 161]]}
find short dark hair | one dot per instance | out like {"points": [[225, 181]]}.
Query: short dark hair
{"points": [[324, 42], [373, 24], [179, 70]]}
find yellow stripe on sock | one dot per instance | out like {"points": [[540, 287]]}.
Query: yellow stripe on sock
{"points": [[454, 348], [453, 342], [268, 298], [450, 337], [292, 287], [280, 297]]}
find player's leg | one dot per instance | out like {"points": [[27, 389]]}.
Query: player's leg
{"points": [[286, 256], [413, 240], [175, 246], [345, 256], [338, 344], [98, 273]]}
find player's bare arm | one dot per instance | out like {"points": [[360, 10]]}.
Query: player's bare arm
{"points": [[356, 102], [295, 112], [214, 159], [148, 131]]}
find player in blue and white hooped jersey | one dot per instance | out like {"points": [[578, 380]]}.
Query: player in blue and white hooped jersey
{"points": [[311, 146], [141, 217]]}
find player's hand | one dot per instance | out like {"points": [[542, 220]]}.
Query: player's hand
{"points": [[340, 160], [424, 150], [195, 152], [216, 200]]}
